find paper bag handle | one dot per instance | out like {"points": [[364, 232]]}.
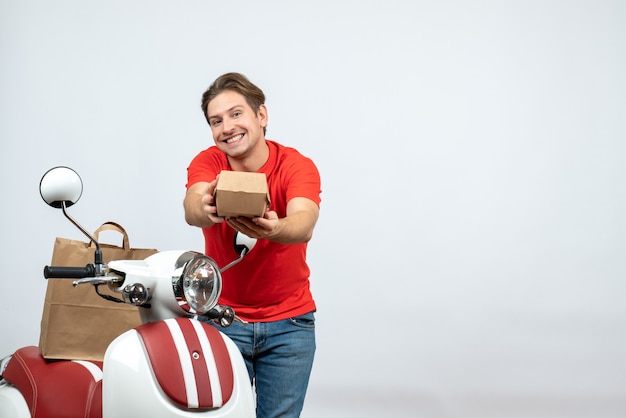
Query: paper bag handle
{"points": [[112, 226]]}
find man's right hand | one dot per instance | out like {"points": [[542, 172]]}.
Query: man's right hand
{"points": [[199, 204]]}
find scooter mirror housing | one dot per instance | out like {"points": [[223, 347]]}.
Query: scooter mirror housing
{"points": [[61, 185], [243, 243]]}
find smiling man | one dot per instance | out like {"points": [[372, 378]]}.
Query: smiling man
{"points": [[270, 288]]}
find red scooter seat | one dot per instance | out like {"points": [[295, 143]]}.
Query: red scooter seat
{"points": [[56, 388]]}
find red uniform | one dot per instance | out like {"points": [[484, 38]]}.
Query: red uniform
{"points": [[272, 282]]}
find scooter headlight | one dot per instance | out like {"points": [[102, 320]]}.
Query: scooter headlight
{"points": [[199, 284]]}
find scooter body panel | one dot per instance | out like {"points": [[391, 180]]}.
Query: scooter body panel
{"points": [[12, 403], [130, 388]]}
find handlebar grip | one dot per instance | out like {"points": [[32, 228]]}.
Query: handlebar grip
{"points": [[58, 272], [212, 314]]}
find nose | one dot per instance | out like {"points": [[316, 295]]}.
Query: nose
{"points": [[227, 125]]}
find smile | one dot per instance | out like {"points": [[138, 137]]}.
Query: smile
{"points": [[234, 139]]}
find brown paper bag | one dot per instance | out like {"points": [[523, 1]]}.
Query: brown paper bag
{"points": [[77, 324]]}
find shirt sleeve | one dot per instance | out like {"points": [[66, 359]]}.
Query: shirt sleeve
{"points": [[204, 167], [304, 180]]}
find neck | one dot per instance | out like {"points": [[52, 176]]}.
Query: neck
{"points": [[253, 161]]}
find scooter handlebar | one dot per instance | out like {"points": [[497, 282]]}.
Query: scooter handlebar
{"points": [[59, 272]]}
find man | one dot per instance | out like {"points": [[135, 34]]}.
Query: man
{"points": [[270, 288]]}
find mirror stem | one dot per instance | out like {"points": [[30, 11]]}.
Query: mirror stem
{"points": [[67, 215], [98, 260], [232, 263]]}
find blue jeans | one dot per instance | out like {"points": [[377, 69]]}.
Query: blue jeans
{"points": [[279, 357]]}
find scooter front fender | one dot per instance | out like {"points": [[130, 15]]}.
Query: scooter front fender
{"points": [[130, 387]]}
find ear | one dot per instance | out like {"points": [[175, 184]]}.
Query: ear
{"points": [[262, 115]]}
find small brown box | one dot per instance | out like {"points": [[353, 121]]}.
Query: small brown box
{"points": [[239, 193]]}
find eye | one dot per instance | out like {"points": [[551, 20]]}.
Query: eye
{"points": [[215, 122], [237, 113]]}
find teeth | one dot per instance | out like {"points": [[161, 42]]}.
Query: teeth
{"points": [[234, 139]]}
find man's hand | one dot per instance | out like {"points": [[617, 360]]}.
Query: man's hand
{"points": [[296, 227], [200, 209], [260, 227]]}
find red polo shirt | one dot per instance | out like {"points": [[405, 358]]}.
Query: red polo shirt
{"points": [[272, 282]]}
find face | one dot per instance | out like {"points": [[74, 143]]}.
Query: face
{"points": [[237, 129]]}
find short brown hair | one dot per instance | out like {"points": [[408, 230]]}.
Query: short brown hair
{"points": [[238, 83]]}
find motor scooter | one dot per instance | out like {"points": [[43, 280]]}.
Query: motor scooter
{"points": [[170, 366]]}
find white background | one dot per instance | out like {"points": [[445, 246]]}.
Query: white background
{"points": [[470, 256]]}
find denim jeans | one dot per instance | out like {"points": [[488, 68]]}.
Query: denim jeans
{"points": [[279, 357]]}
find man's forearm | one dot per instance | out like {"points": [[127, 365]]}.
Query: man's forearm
{"points": [[299, 223], [294, 229], [194, 215]]}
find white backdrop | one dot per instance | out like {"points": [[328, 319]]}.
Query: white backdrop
{"points": [[469, 259]]}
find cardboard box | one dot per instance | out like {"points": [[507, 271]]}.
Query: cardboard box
{"points": [[239, 193]]}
